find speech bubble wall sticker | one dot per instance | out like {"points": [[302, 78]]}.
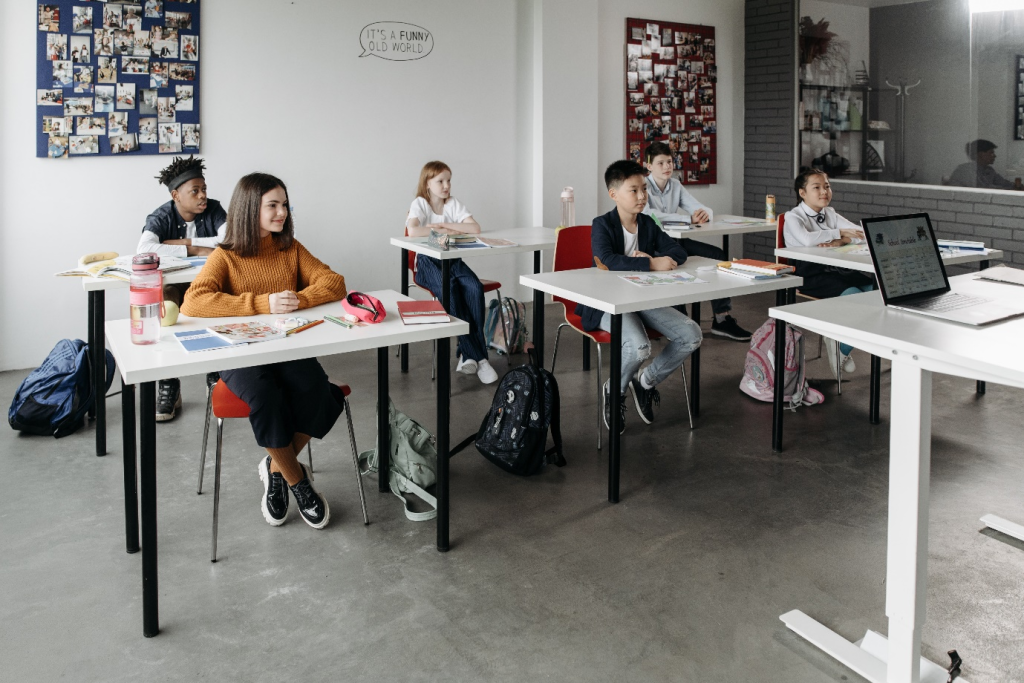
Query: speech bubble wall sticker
{"points": [[395, 41]]}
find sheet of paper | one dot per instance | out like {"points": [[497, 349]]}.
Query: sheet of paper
{"points": [[656, 279]]}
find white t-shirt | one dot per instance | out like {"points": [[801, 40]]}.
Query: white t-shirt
{"points": [[631, 241], [454, 212]]}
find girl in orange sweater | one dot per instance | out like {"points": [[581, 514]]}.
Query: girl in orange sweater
{"points": [[261, 268]]}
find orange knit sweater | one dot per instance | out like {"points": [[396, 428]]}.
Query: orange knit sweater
{"points": [[232, 285]]}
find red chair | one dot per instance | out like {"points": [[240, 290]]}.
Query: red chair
{"points": [[489, 286], [573, 251], [223, 404]]}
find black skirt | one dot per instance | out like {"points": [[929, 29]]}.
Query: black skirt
{"points": [[285, 399], [825, 282]]}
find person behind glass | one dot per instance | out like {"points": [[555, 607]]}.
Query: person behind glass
{"points": [[190, 224], [261, 268], [626, 239], [666, 197], [816, 224], [978, 172], [436, 209]]}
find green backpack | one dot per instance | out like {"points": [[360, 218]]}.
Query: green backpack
{"points": [[413, 462]]}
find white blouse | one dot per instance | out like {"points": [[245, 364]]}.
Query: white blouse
{"points": [[801, 228]]}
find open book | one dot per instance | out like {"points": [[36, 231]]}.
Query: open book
{"points": [[117, 267], [246, 333]]}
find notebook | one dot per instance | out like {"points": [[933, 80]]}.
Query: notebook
{"points": [[247, 332], [422, 312], [201, 340]]}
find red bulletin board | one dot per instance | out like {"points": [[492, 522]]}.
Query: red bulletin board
{"points": [[671, 95]]}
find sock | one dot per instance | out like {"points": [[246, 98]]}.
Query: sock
{"points": [[720, 317], [644, 382]]}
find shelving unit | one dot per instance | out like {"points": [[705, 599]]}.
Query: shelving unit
{"points": [[834, 120]]}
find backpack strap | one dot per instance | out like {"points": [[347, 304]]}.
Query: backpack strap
{"points": [[399, 485], [460, 446], [556, 430]]}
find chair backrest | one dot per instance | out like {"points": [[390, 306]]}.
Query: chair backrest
{"points": [[780, 241], [572, 252]]}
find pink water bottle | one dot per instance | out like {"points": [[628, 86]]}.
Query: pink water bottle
{"points": [[146, 298]]}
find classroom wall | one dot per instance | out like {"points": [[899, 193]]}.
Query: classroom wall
{"points": [[518, 96]]}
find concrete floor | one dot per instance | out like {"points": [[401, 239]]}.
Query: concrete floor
{"points": [[684, 580]]}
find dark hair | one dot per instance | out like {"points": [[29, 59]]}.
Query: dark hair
{"points": [[656, 149], [621, 171], [243, 231], [804, 175], [976, 147], [180, 166]]}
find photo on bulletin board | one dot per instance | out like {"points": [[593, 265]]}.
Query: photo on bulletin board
{"points": [[117, 77], [671, 90], [1018, 100]]}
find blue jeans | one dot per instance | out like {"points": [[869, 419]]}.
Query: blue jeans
{"points": [[683, 337], [467, 302], [846, 349]]}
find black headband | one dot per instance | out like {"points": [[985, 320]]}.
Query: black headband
{"points": [[186, 176]]}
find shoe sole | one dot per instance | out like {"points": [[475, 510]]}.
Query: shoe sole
{"points": [[719, 333], [265, 478], [167, 417], [636, 401], [327, 508]]}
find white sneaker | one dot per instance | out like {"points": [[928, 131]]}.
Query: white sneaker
{"points": [[830, 346], [485, 372], [848, 364], [466, 367]]}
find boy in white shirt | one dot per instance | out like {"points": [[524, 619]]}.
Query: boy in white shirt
{"points": [[665, 197]]}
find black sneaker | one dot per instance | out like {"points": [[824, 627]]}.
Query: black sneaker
{"points": [[606, 402], [212, 378], [168, 399], [729, 329], [312, 506], [645, 399], [275, 494]]}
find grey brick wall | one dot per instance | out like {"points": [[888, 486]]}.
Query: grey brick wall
{"points": [[768, 146]]}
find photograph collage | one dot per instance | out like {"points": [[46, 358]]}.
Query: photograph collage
{"points": [[671, 78], [117, 78], [1018, 119]]}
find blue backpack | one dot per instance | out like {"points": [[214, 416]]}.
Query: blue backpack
{"points": [[55, 397]]}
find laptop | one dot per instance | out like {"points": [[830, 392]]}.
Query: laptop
{"points": [[912, 277]]}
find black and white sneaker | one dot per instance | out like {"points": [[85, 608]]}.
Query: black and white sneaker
{"points": [[275, 494], [730, 329], [312, 506], [606, 403], [168, 399], [645, 399]]}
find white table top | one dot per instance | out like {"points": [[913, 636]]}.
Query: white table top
{"points": [[606, 291], [719, 227], [526, 239], [830, 257], [990, 353], [91, 284], [167, 358]]}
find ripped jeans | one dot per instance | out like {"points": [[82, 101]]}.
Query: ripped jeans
{"points": [[683, 337]]}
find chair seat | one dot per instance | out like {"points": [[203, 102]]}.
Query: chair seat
{"points": [[226, 404], [576, 323]]}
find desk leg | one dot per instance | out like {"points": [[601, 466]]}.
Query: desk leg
{"points": [[614, 382], [778, 410], [876, 390], [383, 421], [694, 367], [131, 491], [538, 317], [99, 367], [981, 388], [147, 480], [586, 353], [725, 247], [404, 348], [90, 339], [444, 379]]}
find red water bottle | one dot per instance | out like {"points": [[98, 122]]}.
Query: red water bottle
{"points": [[146, 298]]}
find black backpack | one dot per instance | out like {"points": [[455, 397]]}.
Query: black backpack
{"points": [[514, 434]]}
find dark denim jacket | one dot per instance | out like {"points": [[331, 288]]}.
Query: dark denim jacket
{"points": [[168, 225]]}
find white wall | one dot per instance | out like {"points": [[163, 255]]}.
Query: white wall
{"points": [[520, 97]]}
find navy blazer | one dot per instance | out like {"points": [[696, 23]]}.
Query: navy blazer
{"points": [[167, 224], [608, 245]]}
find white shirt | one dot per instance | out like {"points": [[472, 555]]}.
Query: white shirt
{"points": [[453, 212], [149, 242], [631, 240], [801, 228]]}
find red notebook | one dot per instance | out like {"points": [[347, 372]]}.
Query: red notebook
{"points": [[422, 312]]}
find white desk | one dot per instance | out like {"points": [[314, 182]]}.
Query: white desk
{"points": [[527, 239], [97, 294], [917, 346], [720, 227], [606, 291], [146, 364], [828, 256]]}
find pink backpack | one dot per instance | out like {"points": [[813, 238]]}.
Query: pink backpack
{"points": [[759, 369]]}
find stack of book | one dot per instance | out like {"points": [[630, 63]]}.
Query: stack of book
{"points": [[754, 270], [960, 245]]}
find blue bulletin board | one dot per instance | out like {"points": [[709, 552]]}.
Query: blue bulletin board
{"points": [[117, 78]]}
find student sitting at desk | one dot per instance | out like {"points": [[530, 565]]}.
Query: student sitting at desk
{"points": [[816, 224], [188, 225], [665, 197], [261, 268], [626, 239], [435, 208]]}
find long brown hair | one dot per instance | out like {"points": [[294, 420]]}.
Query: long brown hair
{"points": [[431, 170], [243, 232]]}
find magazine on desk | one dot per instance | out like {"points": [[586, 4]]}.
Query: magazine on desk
{"points": [[667, 278], [246, 332], [119, 267], [194, 341]]}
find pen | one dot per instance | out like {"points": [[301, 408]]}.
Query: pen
{"points": [[338, 321], [304, 327]]}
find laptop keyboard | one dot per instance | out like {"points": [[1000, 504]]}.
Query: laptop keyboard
{"points": [[947, 302]]}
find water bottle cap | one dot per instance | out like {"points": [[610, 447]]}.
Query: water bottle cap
{"points": [[146, 261], [567, 193]]}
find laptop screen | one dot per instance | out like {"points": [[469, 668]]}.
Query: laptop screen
{"points": [[906, 257]]}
